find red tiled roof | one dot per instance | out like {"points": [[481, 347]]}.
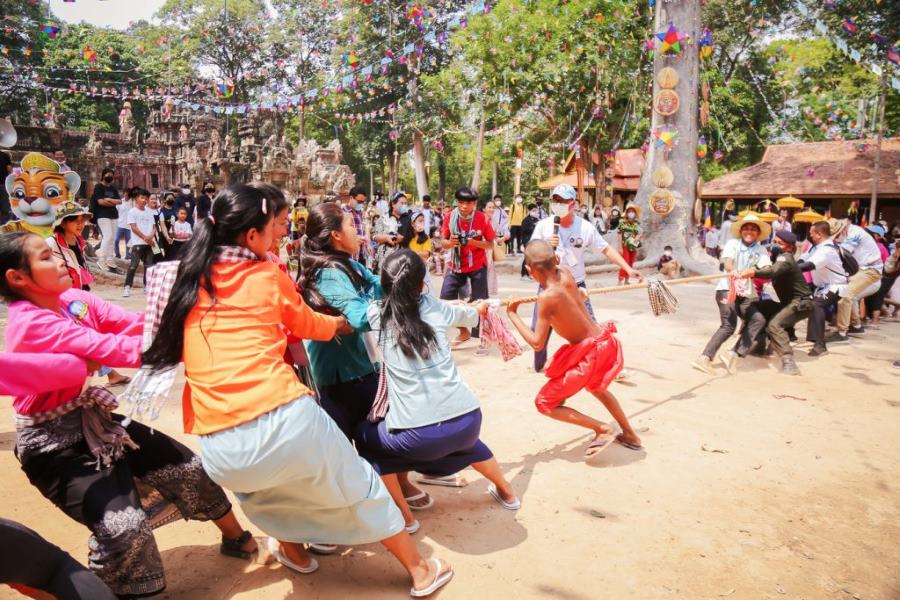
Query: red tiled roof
{"points": [[813, 170]]}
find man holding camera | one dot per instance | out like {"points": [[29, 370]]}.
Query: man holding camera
{"points": [[468, 234]]}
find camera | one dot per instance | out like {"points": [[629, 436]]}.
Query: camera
{"points": [[463, 239]]}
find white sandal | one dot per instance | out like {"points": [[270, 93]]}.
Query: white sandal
{"points": [[515, 505], [414, 527], [419, 496], [440, 580], [275, 550]]}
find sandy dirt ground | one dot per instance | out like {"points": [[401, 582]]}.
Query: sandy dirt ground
{"points": [[754, 485]]}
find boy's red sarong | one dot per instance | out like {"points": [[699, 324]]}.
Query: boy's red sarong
{"points": [[590, 364]]}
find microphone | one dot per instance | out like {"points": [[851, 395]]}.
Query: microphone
{"points": [[555, 225]]}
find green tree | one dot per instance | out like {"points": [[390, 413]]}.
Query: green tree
{"points": [[22, 56]]}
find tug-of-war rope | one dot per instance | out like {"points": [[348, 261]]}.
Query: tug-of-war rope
{"points": [[662, 300]]}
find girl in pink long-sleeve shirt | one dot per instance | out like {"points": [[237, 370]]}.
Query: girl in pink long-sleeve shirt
{"points": [[74, 450], [17, 373]]}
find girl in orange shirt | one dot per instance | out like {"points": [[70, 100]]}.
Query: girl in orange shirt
{"points": [[263, 436]]}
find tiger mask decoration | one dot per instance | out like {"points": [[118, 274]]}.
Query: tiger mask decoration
{"points": [[37, 190]]}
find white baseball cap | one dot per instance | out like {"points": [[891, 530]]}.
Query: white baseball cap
{"points": [[564, 191]]}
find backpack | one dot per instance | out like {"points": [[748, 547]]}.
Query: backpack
{"points": [[851, 267]]}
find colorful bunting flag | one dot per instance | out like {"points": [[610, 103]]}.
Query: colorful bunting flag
{"points": [[49, 30]]}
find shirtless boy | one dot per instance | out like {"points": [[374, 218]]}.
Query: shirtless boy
{"points": [[591, 359]]}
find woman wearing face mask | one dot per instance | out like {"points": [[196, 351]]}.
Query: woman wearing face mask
{"points": [[389, 229], [104, 201], [187, 201], [599, 220], [204, 202], [528, 224], [630, 239]]}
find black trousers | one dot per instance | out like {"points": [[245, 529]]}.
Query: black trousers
{"points": [[30, 560], [743, 308], [348, 402], [779, 325], [815, 330], [142, 253], [514, 243], [119, 513], [454, 281]]}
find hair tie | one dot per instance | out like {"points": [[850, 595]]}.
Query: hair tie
{"points": [[212, 219], [265, 209]]}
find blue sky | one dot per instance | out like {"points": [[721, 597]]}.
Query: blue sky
{"points": [[105, 13]]}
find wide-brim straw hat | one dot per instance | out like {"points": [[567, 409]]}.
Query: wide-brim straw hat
{"points": [[634, 207], [68, 209], [751, 219], [836, 226]]}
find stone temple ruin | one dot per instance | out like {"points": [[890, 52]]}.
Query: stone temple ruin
{"points": [[182, 146]]}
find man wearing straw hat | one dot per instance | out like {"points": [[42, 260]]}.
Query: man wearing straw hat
{"points": [[737, 297], [570, 236], [854, 240]]}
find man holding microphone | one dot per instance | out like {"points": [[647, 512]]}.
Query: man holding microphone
{"points": [[570, 236]]}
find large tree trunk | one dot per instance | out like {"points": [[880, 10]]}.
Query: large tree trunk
{"points": [[479, 152], [419, 162], [442, 178], [676, 228], [494, 172], [392, 174]]}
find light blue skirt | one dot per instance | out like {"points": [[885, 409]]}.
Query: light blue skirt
{"points": [[298, 479]]}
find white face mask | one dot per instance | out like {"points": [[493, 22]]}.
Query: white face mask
{"points": [[630, 214], [668, 253], [185, 191], [559, 209]]}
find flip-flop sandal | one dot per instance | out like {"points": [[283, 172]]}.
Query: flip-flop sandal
{"points": [[440, 580], [322, 549], [414, 527], [634, 447], [419, 496], [125, 381], [234, 547], [450, 481], [275, 550], [458, 342], [600, 443], [516, 505]]}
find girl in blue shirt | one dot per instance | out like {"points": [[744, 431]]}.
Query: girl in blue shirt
{"points": [[433, 421]]}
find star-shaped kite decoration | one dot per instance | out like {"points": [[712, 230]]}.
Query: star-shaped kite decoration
{"points": [[665, 137], [670, 41]]}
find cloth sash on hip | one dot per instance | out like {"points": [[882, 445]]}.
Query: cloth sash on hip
{"points": [[106, 439]]}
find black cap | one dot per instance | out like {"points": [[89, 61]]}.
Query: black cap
{"points": [[465, 194], [787, 237]]}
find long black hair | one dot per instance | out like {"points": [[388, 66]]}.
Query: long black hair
{"points": [[318, 253], [402, 276], [12, 258], [235, 210], [272, 193]]}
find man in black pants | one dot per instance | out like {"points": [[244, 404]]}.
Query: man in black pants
{"points": [[143, 229], [467, 232], [794, 295], [829, 278]]}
